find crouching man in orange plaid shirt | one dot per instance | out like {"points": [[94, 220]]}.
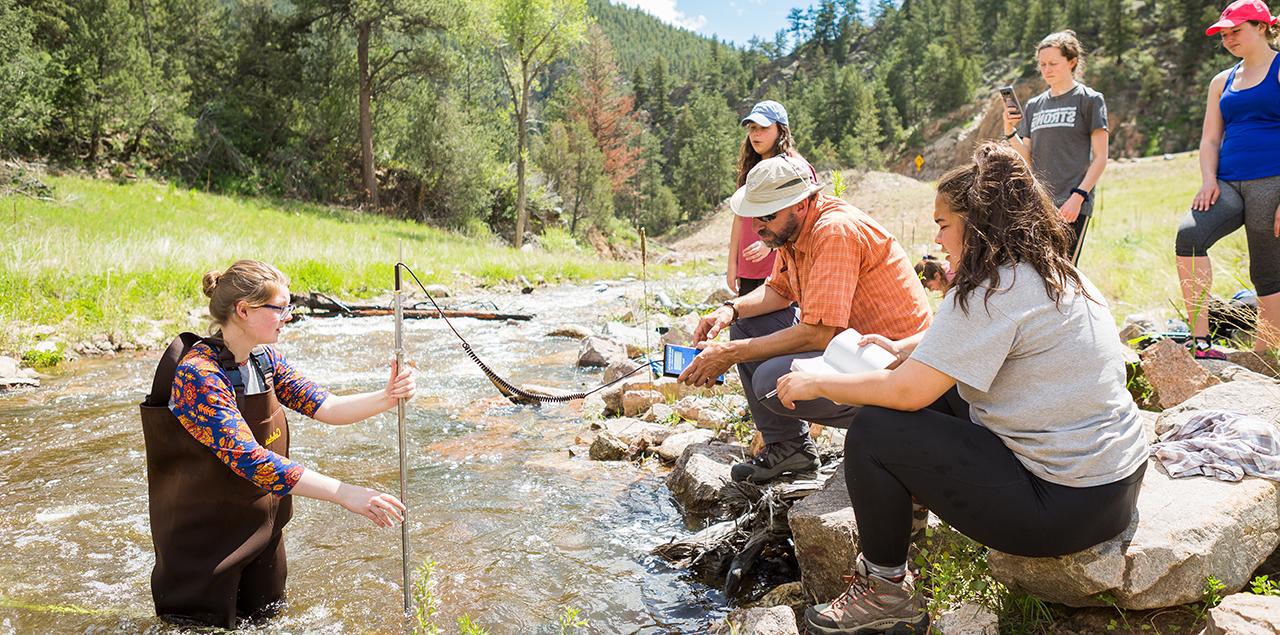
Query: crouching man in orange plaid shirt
{"points": [[842, 269]]}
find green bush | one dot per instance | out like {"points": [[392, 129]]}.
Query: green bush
{"points": [[43, 359]]}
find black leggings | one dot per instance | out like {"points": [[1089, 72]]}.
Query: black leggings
{"points": [[747, 285], [965, 474]]}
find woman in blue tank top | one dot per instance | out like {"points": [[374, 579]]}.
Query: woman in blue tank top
{"points": [[1240, 168]]}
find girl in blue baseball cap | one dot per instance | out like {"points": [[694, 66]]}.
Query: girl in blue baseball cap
{"points": [[768, 135]]}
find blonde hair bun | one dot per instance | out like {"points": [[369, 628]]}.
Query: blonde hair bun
{"points": [[210, 282]]}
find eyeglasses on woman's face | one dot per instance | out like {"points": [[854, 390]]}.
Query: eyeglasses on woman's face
{"points": [[282, 312]]}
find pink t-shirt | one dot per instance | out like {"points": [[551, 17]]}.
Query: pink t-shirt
{"points": [[746, 268]]}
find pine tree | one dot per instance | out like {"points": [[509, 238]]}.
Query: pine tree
{"points": [[1117, 28], [704, 159], [602, 103]]}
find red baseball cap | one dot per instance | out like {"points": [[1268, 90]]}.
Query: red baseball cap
{"points": [[1239, 12]]}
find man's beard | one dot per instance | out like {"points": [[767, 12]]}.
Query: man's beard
{"points": [[781, 238]]}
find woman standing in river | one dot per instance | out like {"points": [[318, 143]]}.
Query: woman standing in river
{"points": [[218, 470]]}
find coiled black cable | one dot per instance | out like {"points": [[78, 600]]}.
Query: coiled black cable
{"points": [[513, 393]]}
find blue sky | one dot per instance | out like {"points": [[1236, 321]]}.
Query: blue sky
{"points": [[733, 20]]}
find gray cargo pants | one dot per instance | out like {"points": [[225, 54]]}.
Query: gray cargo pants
{"points": [[775, 422]]}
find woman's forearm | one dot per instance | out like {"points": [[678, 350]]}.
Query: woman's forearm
{"points": [[1100, 147], [341, 410], [1209, 148], [313, 484], [909, 387]]}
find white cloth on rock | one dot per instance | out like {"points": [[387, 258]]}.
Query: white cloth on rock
{"points": [[1222, 444]]}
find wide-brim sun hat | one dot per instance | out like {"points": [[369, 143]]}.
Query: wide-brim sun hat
{"points": [[1239, 12], [773, 185]]}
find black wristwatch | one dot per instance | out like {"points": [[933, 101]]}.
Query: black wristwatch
{"points": [[1011, 135], [734, 308], [1083, 194]]}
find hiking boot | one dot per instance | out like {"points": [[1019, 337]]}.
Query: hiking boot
{"points": [[871, 604], [798, 456]]}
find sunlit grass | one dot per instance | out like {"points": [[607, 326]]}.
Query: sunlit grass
{"points": [[103, 255], [1128, 250]]}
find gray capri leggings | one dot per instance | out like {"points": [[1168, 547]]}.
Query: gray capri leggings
{"points": [[1251, 204]]}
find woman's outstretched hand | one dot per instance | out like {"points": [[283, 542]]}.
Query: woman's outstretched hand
{"points": [[383, 509], [402, 384]]}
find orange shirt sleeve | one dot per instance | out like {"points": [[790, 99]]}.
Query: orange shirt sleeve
{"points": [[778, 279]]}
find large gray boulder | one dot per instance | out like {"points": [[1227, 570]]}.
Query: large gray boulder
{"points": [[1259, 398], [968, 619], [1173, 373], [712, 413], [13, 376], [674, 446], [600, 351], [701, 474], [1230, 371], [1245, 614], [825, 533], [637, 402], [1268, 365], [640, 433], [778, 620], [1182, 532], [608, 447]]}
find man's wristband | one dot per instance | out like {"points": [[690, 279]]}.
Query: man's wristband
{"points": [[1011, 135], [734, 308], [1083, 194]]}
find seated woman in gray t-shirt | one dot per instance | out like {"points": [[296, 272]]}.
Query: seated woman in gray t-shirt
{"points": [[1051, 457]]}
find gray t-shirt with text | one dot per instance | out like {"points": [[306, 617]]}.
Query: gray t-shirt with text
{"points": [[1047, 378], [1059, 129]]}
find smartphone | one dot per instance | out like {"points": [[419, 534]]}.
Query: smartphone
{"points": [[1010, 99], [676, 358]]}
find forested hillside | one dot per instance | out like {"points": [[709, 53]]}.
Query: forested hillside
{"points": [[506, 116]]}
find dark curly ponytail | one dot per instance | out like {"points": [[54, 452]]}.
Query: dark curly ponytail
{"points": [[1009, 219]]}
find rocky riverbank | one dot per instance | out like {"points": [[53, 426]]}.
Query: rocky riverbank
{"points": [[1194, 548]]}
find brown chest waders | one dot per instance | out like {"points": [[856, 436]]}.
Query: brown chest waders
{"points": [[218, 537]]}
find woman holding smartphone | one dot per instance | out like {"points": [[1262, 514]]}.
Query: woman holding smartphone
{"points": [[1063, 133], [1240, 167]]}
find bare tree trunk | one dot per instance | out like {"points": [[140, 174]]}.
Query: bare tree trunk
{"points": [[522, 140], [366, 115], [95, 139]]}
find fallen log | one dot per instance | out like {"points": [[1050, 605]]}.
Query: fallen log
{"points": [[322, 306]]}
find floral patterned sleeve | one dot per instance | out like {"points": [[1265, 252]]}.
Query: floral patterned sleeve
{"points": [[204, 403], [293, 390]]}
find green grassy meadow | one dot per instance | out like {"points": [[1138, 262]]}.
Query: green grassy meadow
{"points": [[103, 256], [1128, 250]]}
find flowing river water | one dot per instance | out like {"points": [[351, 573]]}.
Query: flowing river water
{"points": [[519, 529]]}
